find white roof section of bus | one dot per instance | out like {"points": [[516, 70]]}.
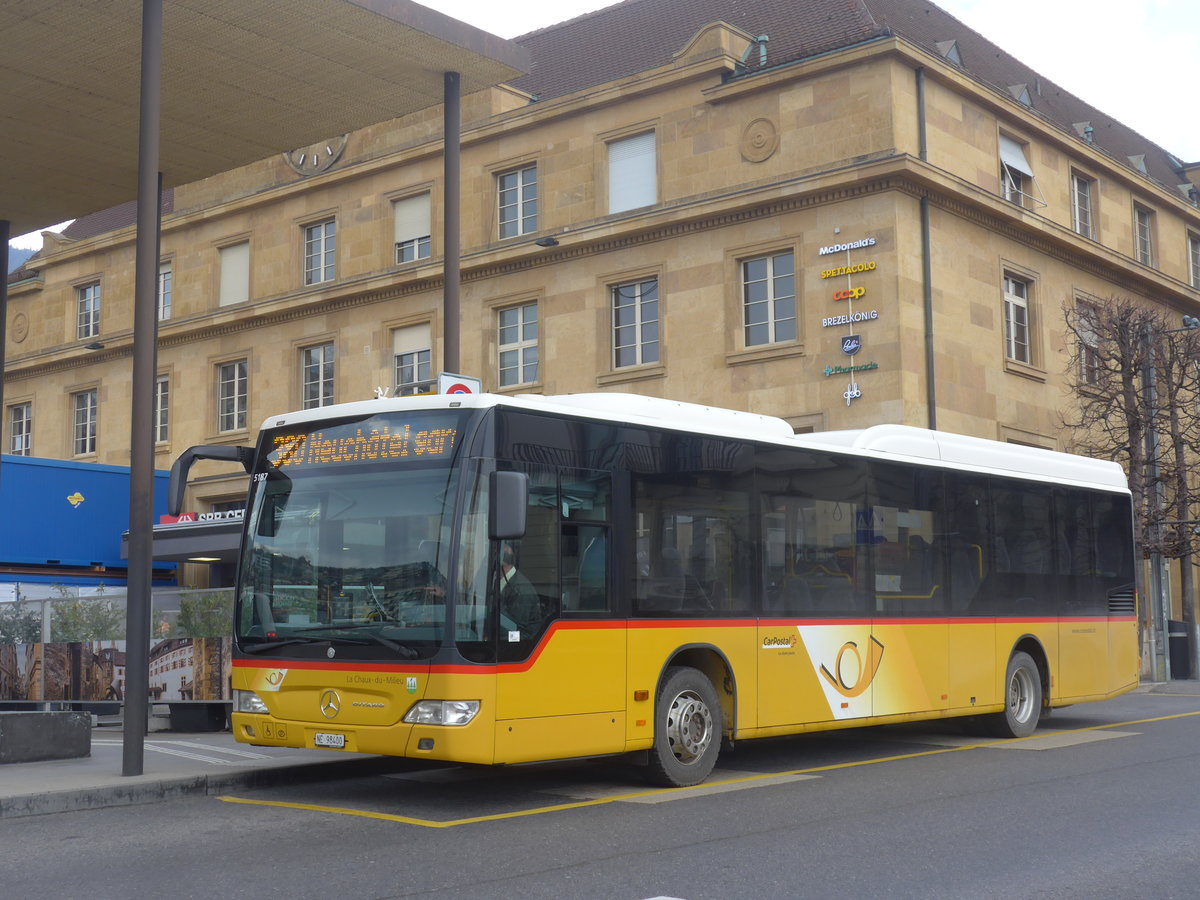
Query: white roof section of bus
{"points": [[957, 450], [676, 414], [898, 442], [634, 409]]}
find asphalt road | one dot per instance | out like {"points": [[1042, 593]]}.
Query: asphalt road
{"points": [[1103, 802]]}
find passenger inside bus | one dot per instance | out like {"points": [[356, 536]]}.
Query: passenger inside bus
{"points": [[518, 599]]}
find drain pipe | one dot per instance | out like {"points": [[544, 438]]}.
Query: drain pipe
{"points": [[926, 261]]}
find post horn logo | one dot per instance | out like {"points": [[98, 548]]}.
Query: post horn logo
{"points": [[853, 684]]}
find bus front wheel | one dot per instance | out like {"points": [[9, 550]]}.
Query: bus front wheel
{"points": [[688, 723], [1022, 698]]}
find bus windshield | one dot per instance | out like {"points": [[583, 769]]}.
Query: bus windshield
{"points": [[348, 538]]}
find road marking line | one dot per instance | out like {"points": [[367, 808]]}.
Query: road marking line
{"points": [[681, 792], [705, 790], [1060, 739], [230, 750], [167, 747], [171, 751]]}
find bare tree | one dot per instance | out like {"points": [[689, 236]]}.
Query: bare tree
{"points": [[1133, 375]]}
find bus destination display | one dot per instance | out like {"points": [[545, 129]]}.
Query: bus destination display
{"points": [[380, 439]]}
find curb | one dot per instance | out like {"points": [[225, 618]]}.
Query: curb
{"points": [[132, 792]]}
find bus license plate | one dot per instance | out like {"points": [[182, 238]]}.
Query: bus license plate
{"points": [[323, 739]]}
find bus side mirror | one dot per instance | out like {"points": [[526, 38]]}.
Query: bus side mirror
{"points": [[509, 493], [180, 468]]}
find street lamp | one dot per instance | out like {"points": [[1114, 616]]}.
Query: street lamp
{"points": [[1159, 644]]}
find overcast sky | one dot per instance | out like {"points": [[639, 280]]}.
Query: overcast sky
{"points": [[1135, 62]]}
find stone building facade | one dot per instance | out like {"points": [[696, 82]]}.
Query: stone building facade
{"points": [[874, 215]]}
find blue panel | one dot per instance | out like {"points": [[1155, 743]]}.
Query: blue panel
{"points": [[60, 513]]}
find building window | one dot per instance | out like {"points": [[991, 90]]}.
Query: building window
{"points": [[413, 228], [769, 299], [320, 247], [635, 323], [235, 274], [517, 201], [87, 317], [20, 429], [1143, 235], [1016, 319], [1089, 345], [632, 172], [518, 344], [1081, 206], [162, 405], [164, 291], [412, 360], [84, 422], [1017, 183], [316, 376], [1194, 259], [231, 396]]}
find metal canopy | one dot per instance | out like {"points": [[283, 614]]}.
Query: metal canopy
{"points": [[241, 81]]}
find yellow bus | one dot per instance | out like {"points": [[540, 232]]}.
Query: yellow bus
{"points": [[492, 579]]}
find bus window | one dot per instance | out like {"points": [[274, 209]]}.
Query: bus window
{"points": [[1094, 535], [908, 550], [585, 568], [1026, 544], [966, 533], [585, 499], [694, 546], [815, 527]]}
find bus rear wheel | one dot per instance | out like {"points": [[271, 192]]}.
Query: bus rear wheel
{"points": [[688, 724], [1022, 698]]}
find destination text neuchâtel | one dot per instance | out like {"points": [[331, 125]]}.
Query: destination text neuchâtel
{"points": [[375, 444]]}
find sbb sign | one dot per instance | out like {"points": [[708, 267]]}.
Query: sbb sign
{"points": [[849, 293]]}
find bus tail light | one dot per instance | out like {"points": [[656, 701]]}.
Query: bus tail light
{"points": [[442, 712]]}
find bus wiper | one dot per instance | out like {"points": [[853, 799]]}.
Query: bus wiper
{"points": [[399, 649], [271, 645]]}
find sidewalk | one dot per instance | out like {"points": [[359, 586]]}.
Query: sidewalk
{"points": [[174, 765]]}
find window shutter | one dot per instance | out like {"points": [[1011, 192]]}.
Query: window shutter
{"points": [[411, 339], [235, 274], [1012, 155], [412, 218], [632, 173]]}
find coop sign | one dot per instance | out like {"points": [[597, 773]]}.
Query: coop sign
{"points": [[850, 293]]}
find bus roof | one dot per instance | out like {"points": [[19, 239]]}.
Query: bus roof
{"points": [[897, 442]]}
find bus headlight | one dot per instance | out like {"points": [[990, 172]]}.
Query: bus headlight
{"points": [[248, 702], [442, 712]]}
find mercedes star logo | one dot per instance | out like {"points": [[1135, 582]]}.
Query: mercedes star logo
{"points": [[330, 704]]}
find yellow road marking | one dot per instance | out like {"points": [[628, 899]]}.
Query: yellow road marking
{"points": [[698, 790]]}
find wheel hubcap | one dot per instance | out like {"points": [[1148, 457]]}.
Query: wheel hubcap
{"points": [[689, 727], [1020, 695]]}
